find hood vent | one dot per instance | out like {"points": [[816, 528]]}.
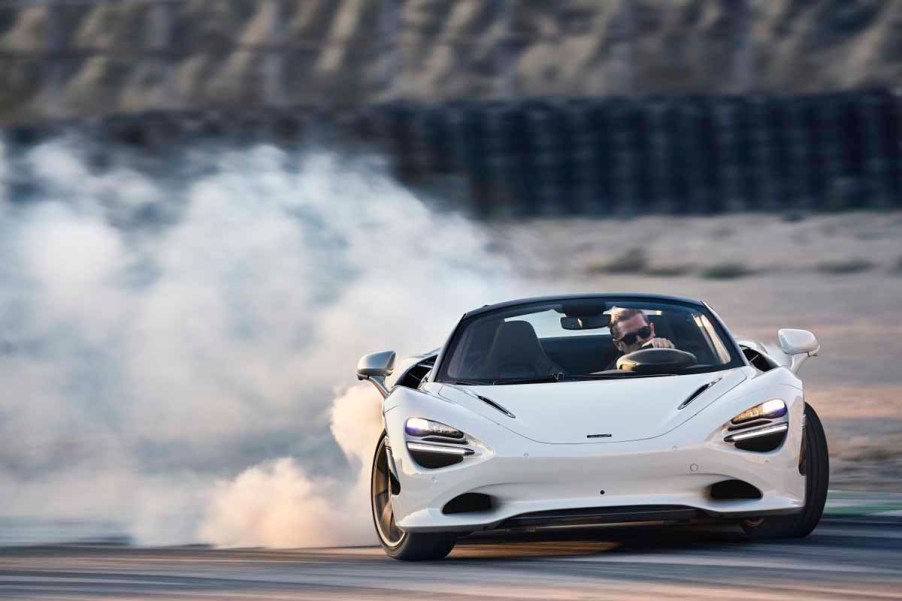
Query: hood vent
{"points": [[495, 405], [697, 393]]}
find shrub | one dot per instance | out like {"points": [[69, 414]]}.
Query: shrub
{"points": [[726, 271]]}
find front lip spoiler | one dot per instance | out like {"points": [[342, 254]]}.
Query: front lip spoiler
{"points": [[599, 516], [602, 515], [594, 517]]}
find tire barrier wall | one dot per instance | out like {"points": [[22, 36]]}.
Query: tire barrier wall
{"points": [[584, 156]]}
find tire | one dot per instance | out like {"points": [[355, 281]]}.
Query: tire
{"points": [[816, 465], [398, 544]]}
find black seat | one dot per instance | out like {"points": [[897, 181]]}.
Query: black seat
{"points": [[662, 327], [517, 353], [581, 354]]}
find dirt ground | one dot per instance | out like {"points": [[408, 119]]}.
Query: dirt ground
{"points": [[837, 275]]}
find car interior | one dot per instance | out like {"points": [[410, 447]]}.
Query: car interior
{"points": [[594, 353], [497, 348]]}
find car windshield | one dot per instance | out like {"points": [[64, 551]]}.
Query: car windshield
{"points": [[584, 339]]}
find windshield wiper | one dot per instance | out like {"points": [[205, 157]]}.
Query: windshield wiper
{"points": [[468, 382], [556, 377], [612, 376]]}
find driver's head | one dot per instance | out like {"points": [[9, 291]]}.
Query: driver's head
{"points": [[630, 329]]}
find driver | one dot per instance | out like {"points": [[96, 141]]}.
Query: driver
{"points": [[631, 331]]}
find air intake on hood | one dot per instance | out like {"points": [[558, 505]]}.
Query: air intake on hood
{"points": [[495, 405], [697, 393]]}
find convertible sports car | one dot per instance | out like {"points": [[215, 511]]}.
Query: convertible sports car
{"points": [[590, 410]]}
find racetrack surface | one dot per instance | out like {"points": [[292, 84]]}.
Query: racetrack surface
{"points": [[846, 557]]}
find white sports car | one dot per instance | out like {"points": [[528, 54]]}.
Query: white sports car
{"points": [[591, 410]]}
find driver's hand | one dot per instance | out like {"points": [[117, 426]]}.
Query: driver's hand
{"points": [[658, 343]]}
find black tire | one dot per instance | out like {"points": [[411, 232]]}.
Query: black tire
{"points": [[816, 467], [398, 544]]}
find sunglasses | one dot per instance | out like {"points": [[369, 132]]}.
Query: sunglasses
{"points": [[628, 339]]}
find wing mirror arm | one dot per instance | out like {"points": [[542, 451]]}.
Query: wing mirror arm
{"points": [[378, 382], [374, 368], [796, 361], [798, 345]]}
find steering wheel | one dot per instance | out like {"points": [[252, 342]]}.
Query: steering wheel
{"points": [[656, 361]]}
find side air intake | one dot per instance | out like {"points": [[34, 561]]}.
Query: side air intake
{"points": [[468, 503], [728, 490]]}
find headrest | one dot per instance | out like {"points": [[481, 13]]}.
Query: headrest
{"points": [[517, 338]]}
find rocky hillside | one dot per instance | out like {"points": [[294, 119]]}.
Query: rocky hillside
{"points": [[90, 57]]}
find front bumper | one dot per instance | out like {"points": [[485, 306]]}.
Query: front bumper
{"points": [[524, 477]]}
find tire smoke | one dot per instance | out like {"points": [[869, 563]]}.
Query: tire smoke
{"points": [[173, 332], [277, 504]]}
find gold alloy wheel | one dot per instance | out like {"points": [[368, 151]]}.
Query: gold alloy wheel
{"points": [[381, 491]]}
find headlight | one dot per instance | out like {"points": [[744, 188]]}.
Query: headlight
{"points": [[767, 410], [417, 426], [438, 445], [756, 430]]}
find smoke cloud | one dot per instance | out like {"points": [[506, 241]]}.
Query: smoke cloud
{"points": [[277, 504], [178, 336]]}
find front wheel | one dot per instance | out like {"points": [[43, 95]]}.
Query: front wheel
{"points": [[398, 544], [814, 464]]}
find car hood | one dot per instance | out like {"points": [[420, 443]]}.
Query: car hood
{"points": [[596, 411]]}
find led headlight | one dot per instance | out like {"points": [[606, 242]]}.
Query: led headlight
{"points": [[417, 426], [767, 410], [438, 445]]}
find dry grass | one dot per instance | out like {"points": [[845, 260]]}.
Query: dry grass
{"points": [[633, 261], [845, 267], [669, 271], [726, 271]]}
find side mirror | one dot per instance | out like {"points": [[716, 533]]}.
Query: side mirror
{"points": [[798, 345], [375, 367]]}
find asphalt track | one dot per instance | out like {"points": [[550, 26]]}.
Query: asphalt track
{"points": [[846, 557]]}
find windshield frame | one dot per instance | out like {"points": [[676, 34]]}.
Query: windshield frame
{"points": [[737, 358]]}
